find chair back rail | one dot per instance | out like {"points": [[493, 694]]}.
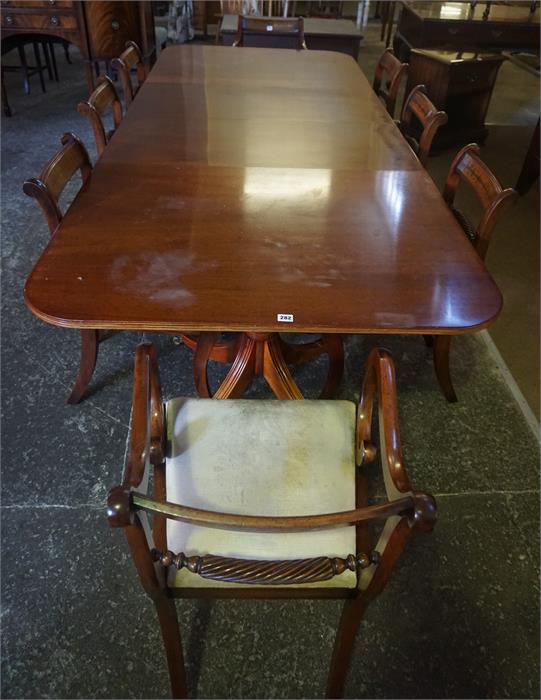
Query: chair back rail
{"points": [[104, 97], [209, 518], [263, 572], [50, 184], [131, 58], [388, 77], [263, 26], [467, 167], [418, 106]]}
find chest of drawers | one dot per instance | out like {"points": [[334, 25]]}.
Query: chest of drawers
{"points": [[459, 83]]}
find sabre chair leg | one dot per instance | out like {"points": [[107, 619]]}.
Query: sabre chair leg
{"points": [[89, 354], [441, 348], [201, 356], [276, 371], [241, 372], [330, 344], [352, 613], [167, 616], [334, 347]]}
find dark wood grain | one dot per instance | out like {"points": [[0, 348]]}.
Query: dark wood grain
{"points": [[245, 184]]}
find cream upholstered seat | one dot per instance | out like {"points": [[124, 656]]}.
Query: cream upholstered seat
{"points": [[264, 499], [272, 458]]}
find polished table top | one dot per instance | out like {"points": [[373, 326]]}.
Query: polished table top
{"points": [[247, 183]]}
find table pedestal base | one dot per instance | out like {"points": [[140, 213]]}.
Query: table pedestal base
{"points": [[262, 354]]}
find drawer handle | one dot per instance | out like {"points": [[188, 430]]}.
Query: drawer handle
{"points": [[9, 19], [55, 21], [52, 2], [496, 33], [471, 77], [453, 30], [115, 25]]}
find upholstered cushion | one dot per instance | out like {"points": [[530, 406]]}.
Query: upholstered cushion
{"points": [[272, 458]]}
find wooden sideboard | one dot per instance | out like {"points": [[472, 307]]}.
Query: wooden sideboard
{"points": [[100, 29], [459, 83], [465, 26]]}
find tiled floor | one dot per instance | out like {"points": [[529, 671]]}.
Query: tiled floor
{"points": [[460, 618]]}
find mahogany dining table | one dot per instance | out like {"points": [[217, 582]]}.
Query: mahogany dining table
{"points": [[260, 191]]}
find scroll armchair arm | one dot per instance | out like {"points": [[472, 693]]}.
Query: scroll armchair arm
{"points": [[147, 438], [146, 447], [380, 380]]}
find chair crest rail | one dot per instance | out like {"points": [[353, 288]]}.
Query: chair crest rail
{"points": [[410, 505], [265, 572]]}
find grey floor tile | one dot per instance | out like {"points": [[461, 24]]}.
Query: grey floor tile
{"points": [[82, 625], [457, 620]]}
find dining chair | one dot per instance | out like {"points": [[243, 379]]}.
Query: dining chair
{"points": [[130, 59], [420, 121], [468, 168], [262, 31], [265, 499], [104, 97], [47, 189], [388, 77]]}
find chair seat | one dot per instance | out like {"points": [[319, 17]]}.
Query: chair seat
{"points": [[271, 458]]}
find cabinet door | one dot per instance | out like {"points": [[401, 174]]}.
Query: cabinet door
{"points": [[109, 26]]}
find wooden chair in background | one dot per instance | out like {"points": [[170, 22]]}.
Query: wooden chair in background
{"points": [[468, 168], [42, 58], [130, 59], [418, 108], [225, 490], [388, 77], [387, 11], [46, 189], [258, 31], [104, 97]]}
